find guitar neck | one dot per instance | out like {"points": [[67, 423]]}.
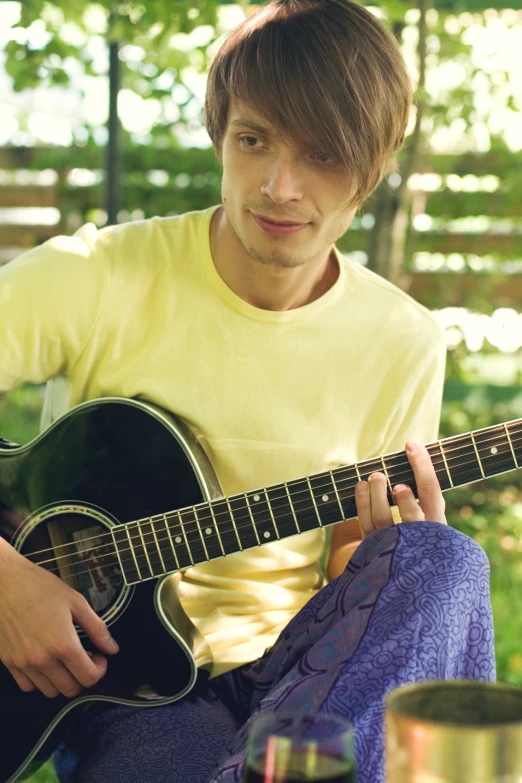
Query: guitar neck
{"points": [[152, 547]]}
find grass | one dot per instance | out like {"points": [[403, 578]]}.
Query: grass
{"points": [[45, 774]]}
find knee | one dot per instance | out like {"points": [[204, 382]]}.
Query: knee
{"points": [[446, 548]]}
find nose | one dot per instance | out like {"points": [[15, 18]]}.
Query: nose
{"points": [[283, 181]]}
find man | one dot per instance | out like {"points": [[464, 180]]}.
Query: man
{"points": [[284, 360]]}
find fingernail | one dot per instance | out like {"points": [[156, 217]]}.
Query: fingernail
{"points": [[399, 487], [362, 486], [412, 446], [114, 643]]}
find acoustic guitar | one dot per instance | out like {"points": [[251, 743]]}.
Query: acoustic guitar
{"points": [[117, 494]]}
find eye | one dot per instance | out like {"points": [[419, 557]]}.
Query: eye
{"points": [[326, 157], [247, 139]]}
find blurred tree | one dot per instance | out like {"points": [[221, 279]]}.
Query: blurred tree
{"points": [[159, 57]]}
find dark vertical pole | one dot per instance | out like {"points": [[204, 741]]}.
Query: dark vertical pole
{"points": [[114, 152]]}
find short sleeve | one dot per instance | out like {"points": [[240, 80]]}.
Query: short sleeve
{"points": [[50, 299]]}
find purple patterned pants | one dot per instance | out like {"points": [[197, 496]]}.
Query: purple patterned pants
{"points": [[413, 604]]}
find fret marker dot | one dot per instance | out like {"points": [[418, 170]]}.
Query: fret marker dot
{"points": [[494, 450], [256, 498], [266, 534], [208, 531], [325, 498], [178, 539]]}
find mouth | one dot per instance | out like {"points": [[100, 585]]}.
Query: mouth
{"points": [[277, 229], [279, 222]]}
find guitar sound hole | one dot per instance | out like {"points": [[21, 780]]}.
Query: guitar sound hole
{"points": [[78, 549]]}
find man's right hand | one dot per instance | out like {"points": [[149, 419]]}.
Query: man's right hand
{"points": [[38, 641]]}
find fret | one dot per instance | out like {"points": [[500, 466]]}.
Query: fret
{"points": [[129, 565], [234, 524], [151, 547], [263, 519], [201, 533], [443, 455], [357, 472], [299, 492], [176, 532], [345, 481], [325, 498], [271, 513], [139, 527], [184, 533], [169, 552], [387, 477], [511, 446], [337, 494], [397, 470], [292, 508], [313, 501], [369, 466], [209, 532], [131, 545], [228, 534], [477, 455], [495, 453], [115, 542], [192, 535], [244, 521], [282, 512], [517, 441], [462, 459], [213, 519], [157, 546]]}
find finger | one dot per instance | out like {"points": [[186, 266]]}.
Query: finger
{"points": [[94, 626], [406, 502], [22, 680], [381, 509], [428, 487], [62, 680], [86, 668], [364, 509], [43, 683]]}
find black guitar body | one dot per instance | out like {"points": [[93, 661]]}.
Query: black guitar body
{"points": [[105, 463]]}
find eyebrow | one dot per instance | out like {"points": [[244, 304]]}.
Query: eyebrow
{"points": [[250, 124]]}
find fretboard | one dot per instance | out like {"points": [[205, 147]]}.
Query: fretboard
{"points": [[176, 540]]}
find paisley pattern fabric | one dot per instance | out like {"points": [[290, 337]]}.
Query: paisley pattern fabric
{"points": [[413, 604]]}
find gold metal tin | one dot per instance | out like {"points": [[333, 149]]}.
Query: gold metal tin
{"points": [[458, 731]]}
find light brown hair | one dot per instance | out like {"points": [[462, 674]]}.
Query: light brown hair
{"points": [[327, 74]]}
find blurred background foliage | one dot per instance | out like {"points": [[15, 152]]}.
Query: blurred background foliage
{"points": [[459, 226]]}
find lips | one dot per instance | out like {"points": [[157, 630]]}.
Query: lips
{"points": [[279, 222], [278, 229]]}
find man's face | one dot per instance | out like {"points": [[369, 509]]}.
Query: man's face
{"points": [[264, 175]]}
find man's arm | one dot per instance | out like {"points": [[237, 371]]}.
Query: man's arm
{"points": [[49, 301], [344, 540], [416, 416]]}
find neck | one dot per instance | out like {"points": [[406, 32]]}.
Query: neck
{"points": [[179, 539], [268, 286]]}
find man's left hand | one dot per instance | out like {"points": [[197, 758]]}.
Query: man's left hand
{"points": [[374, 510]]}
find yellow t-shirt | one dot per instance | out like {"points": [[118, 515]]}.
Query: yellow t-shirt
{"points": [[139, 310]]}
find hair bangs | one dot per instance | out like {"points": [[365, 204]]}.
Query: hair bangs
{"points": [[326, 74]]}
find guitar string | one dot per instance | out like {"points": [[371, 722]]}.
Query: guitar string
{"points": [[198, 542], [191, 525], [142, 562], [148, 562], [242, 496]]}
